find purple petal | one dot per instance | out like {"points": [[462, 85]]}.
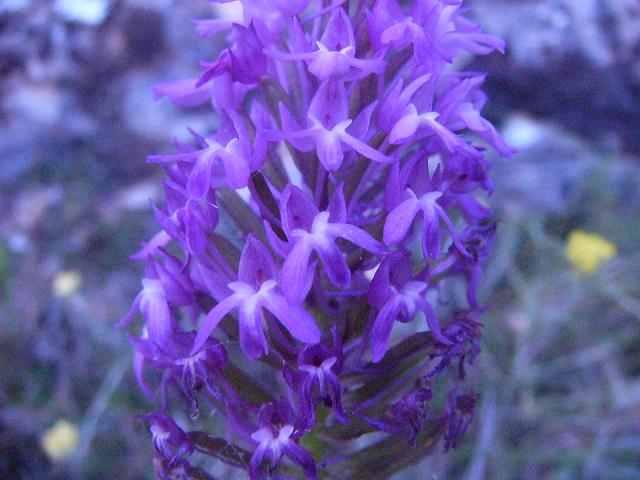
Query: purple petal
{"points": [[132, 312], [255, 465], [295, 271], [235, 166], [296, 210], [256, 264], [337, 206], [406, 126], [399, 220], [338, 33], [211, 321], [357, 236], [431, 238], [303, 458], [330, 104], [432, 322], [364, 149], [296, 319], [334, 264], [200, 177], [252, 339], [381, 330], [183, 93], [160, 239], [329, 150], [451, 140]]}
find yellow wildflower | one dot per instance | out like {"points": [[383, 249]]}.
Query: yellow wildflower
{"points": [[587, 251], [60, 441]]}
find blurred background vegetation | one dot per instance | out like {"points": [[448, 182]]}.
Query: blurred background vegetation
{"points": [[559, 374]]}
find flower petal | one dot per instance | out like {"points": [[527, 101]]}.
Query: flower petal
{"points": [[399, 220], [295, 271], [200, 177], [432, 322], [295, 318], [212, 319], [381, 330], [334, 264], [252, 339]]}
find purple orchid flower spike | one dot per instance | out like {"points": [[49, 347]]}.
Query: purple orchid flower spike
{"points": [[277, 437], [255, 289], [345, 135], [397, 295], [309, 230]]}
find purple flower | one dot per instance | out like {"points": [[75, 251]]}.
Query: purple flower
{"points": [[309, 230], [277, 436], [397, 295], [192, 370], [255, 289], [458, 416], [344, 138], [169, 440], [152, 303], [244, 62], [334, 56], [402, 216], [316, 379], [329, 130]]}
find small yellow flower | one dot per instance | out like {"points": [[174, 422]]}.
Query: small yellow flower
{"points": [[66, 283], [587, 251], [60, 441]]}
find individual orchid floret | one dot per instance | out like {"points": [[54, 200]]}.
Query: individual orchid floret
{"points": [[244, 62], [192, 370], [169, 440], [310, 230], [460, 108], [448, 33], [187, 220], [219, 162], [389, 27], [397, 295], [255, 289], [221, 92], [316, 379], [328, 131], [153, 304], [335, 54], [277, 437], [401, 217], [458, 416], [407, 127]]}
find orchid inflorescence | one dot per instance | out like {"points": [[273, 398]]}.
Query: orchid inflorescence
{"points": [[337, 196]]}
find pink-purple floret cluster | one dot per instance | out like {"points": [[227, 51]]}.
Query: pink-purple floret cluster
{"points": [[338, 195]]}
